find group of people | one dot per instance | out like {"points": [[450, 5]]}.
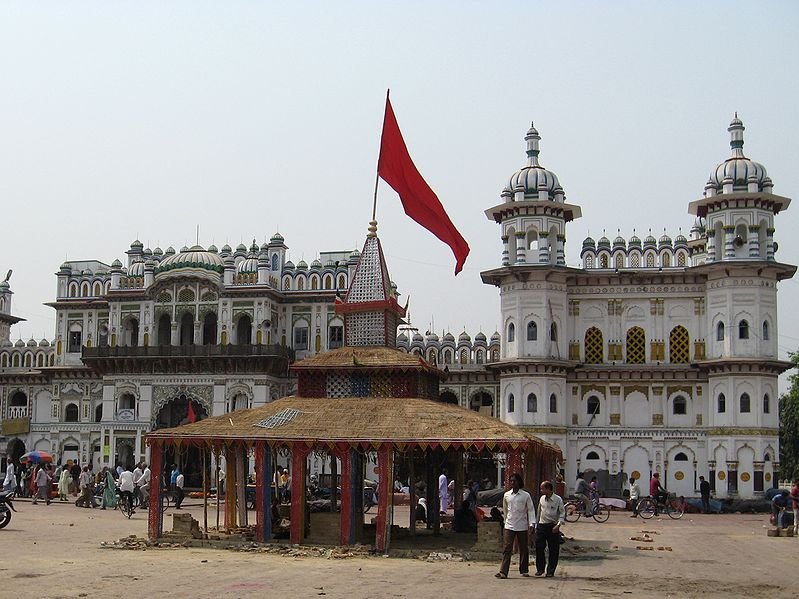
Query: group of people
{"points": [[781, 502]]}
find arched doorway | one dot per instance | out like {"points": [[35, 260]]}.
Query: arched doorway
{"points": [[244, 330], [15, 449], [209, 329], [132, 332], [188, 458], [449, 397], [482, 402], [187, 329], [164, 330]]}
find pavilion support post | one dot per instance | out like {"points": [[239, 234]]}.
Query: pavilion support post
{"points": [[205, 488], [459, 482], [217, 457], [513, 464], [431, 484], [333, 483], [241, 486], [385, 497], [351, 490], [299, 455], [155, 517], [263, 492], [231, 482], [412, 493]]}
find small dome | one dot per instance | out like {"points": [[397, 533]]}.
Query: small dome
{"points": [[31, 342], [66, 267], [226, 249], [5, 285], [619, 243], [464, 337], [603, 243], [589, 242], [158, 251], [316, 265], [354, 256], [44, 343], [650, 241], [147, 252], [277, 238], [449, 337], [241, 249], [402, 338], [184, 249], [664, 241], [247, 266], [116, 264], [289, 265], [635, 241], [136, 245], [533, 178], [136, 269], [330, 264], [738, 169], [417, 337], [432, 337], [302, 265], [680, 240], [495, 337], [213, 249], [170, 251], [264, 247], [19, 343], [480, 338]]}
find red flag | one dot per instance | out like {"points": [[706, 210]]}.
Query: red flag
{"points": [[192, 416], [420, 202]]}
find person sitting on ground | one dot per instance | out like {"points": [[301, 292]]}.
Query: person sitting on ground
{"points": [[582, 492], [464, 520], [420, 514]]}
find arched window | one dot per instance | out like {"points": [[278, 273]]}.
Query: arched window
{"points": [[650, 260], [592, 455], [553, 404], [164, 330], [746, 404], [743, 330], [553, 332], [636, 345], [300, 283], [603, 261], [19, 400], [73, 290], [681, 259], [766, 404], [244, 330], [680, 406], [98, 413], [342, 282], [532, 331], [464, 356], [722, 403], [765, 330], [286, 283], [187, 329], [71, 413], [589, 261], [127, 401], [594, 346], [511, 333], [619, 261], [720, 332], [328, 282], [511, 403], [274, 262], [592, 406], [209, 328], [314, 283], [84, 289], [478, 356], [532, 403], [635, 260], [447, 357], [681, 457], [679, 346], [97, 292], [666, 260]]}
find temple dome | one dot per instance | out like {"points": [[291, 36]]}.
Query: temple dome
{"points": [[195, 257], [533, 178], [738, 169]]}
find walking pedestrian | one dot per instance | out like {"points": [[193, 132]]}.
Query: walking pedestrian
{"points": [[85, 483], [635, 495], [519, 524], [443, 492], [551, 516], [704, 492], [179, 480], [42, 482], [63, 484], [795, 498], [109, 489], [173, 477], [10, 480]]}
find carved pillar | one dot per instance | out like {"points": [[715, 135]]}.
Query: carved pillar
{"points": [[711, 246], [299, 453], [505, 251], [263, 492], [729, 239], [521, 247], [155, 517], [543, 247], [351, 496], [754, 242], [385, 497], [561, 251], [770, 243]]}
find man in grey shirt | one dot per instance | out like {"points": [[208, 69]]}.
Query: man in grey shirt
{"points": [[551, 516]]}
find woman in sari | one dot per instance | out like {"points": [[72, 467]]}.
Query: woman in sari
{"points": [[110, 491], [63, 484]]}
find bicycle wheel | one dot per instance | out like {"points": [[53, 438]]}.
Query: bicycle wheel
{"points": [[165, 504], [573, 510], [646, 508], [674, 509], [601, 513]]}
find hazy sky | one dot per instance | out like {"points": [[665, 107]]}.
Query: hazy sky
{"points": [[146, 119]]}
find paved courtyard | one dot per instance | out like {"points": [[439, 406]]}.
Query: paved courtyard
{"points": [[55, 551]]}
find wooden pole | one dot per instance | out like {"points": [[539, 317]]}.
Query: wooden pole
{"points": [[412, 493], [218, 457], [205, 489]]}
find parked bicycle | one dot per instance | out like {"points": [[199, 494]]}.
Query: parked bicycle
{"points": [[649, 507], [575, 508]]}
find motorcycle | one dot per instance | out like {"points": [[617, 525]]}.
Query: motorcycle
{"points": [[6, 507]]}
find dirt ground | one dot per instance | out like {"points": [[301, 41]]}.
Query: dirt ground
{"points": [[55, 551]]}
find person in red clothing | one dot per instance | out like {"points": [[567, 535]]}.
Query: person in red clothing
{"points": [[656, 490], [795, 498]]}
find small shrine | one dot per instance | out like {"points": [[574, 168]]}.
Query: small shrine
{"points": [[363, 401]]}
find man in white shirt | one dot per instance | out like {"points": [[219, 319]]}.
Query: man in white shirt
{"points": [[443, 492], [179, 490], [551, 516], [519, 523], [137, 474], [144, 485], [126, 487], [10, 481], [635, 495]]}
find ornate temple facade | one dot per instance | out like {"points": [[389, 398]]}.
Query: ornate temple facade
{"points": [[137, 343]]}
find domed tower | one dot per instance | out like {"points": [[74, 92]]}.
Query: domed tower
{"points": [[533, 213], [534, 303], [742, 359]]}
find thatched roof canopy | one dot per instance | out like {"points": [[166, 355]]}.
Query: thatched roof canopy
{"points": [[365, 359], [364, 422]]}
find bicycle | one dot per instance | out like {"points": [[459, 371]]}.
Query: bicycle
{"points": [[574, 509], [649, 506], [125, 500]]}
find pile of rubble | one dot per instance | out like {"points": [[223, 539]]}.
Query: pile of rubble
{"points": [[305, 550], [138, 543]]}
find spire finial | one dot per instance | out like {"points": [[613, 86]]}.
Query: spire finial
{"points": [[736, 130], [372, 229], [532, 138]]}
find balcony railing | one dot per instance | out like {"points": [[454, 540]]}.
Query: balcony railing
{"points": [[17, 411], [189, 351]]}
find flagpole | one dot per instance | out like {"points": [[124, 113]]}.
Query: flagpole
{"points": [[377, 173]]}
